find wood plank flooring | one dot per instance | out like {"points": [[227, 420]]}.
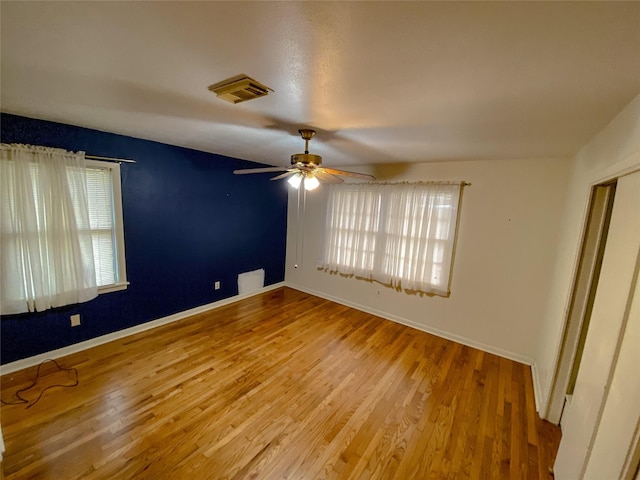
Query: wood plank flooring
{"points": [[280, 385]]}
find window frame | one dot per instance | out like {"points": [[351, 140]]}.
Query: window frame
{"points": [[118, 222]]}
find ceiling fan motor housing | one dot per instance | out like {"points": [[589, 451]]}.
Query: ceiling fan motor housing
{"points": [[306, 159]]}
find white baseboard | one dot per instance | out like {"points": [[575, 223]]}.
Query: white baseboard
{"points": [[537, 389], [434, 331], [78, 347]]}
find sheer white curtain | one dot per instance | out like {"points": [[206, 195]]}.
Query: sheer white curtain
{"points": [[45, 236], [399, 234], [352, 222]]}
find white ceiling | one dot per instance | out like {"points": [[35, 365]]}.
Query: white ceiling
{"points": [[382, 82]]}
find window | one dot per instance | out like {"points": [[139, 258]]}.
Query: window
{"points": [[399, 234], [61, 234], [105, 219]]}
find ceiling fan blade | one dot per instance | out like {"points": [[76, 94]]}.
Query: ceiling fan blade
{"points": [[260, 170], [291, 171], [325, 177], [346, 173]]}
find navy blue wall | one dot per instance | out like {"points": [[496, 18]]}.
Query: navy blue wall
{"points": [[188, 221]]}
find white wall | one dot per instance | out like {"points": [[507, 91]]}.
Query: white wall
{"points": [[615, 150], [509, 226]]}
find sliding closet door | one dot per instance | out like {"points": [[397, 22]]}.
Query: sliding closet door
{"points": [[617, 425], [581, 421]]}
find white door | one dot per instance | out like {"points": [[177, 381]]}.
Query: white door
{"points": [[609, 458], [582, 418]]}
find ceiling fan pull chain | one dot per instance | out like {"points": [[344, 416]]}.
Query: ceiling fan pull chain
{"points": [[299, 199], [304, 204]]}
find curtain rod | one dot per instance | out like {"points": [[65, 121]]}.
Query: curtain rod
{"points": [[434, 182], [89, 157], [109, 159]]}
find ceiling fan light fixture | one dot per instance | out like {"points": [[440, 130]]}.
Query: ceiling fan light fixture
{"points": [[311, 182], [295, 180]]}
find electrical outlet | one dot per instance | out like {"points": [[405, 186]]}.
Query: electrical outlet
{"points": [[378, 292], [216, 286], [75, 320]]}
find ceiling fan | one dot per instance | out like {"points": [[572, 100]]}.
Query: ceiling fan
{"points": [[306, 168]]}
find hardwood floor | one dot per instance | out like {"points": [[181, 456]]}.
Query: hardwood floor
{"points": [[280, 385]]}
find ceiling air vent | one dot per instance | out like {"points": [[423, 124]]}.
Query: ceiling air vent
{"points": [[239, 89]]}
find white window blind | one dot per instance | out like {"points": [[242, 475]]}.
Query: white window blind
{"points": [[399, 234], [105, 221], [101, 220]]}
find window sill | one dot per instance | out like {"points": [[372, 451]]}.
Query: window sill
{"points": [[113, 288]]}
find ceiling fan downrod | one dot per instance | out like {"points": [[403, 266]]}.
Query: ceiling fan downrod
{"points": [[306, 134]]}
